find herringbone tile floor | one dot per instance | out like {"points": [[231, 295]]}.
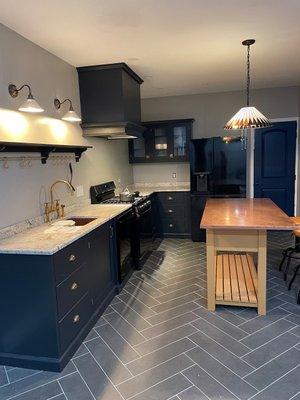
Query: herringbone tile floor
{"points": [[157, 341]]}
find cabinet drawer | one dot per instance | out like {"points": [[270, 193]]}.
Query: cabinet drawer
{"points": [[173, 226], [69, 259], [71, 290], [172, 210], [172, 197], [74, 321]]}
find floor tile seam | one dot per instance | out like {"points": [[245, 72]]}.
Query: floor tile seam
{"points": [[149, 277], [84, 381], [264, 327], [56, 396], [168, 320], [126, 304], [276, 380], [193, 385], [194, 291], [176, 298], [296, 394], [267, 342], [131, 346], [172, 308], [162, 347], [140, 290], [161, 334], [225, 366], [221, 345], [63, 392], [6, 374], [259, 316], [172, 291], [142, 281], [181, 391], [137, 331], [21, 379], [124, 365], [214, 378], [272, 359], [151, 368], [39, 386], [157, 383]]}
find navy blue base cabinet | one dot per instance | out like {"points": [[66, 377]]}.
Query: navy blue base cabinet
{"points": [[48, 304]]}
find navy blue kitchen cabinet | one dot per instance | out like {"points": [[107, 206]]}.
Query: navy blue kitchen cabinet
{"points": [[173, 214], [162, 141], [49, 303]]}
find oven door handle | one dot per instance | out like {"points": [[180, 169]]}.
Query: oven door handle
{"points": [[145, 212]]}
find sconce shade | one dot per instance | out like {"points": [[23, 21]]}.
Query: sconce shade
{"points": [[71, 116], [31, 106], [248, 117]]}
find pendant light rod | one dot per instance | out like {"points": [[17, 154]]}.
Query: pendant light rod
{"points": [[248, 43]]}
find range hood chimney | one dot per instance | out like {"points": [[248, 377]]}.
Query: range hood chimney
{"points": [[110, 101]]}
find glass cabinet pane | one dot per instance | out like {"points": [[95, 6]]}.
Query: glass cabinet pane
{"points": [[180, 143], [160, 142], [139, 148]]}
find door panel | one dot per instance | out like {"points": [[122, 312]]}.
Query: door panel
{"points": [[274, 164]]}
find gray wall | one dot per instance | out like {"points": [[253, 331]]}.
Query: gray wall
{"points": [[211, 111], [23, 190]]}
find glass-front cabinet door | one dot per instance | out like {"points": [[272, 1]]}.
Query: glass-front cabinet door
{"points": [[180, 137], [160, 141]]}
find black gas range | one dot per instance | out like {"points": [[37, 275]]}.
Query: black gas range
{"points": [[130, 245]]}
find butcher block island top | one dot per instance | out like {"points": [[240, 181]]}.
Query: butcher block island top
{"points": [[236, 248], [245, 214]]}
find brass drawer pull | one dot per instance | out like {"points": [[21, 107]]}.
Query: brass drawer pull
{"points": [[170, 211], [171, 225], [72, 258], [76, 319], [170, 198], [74, 286]]}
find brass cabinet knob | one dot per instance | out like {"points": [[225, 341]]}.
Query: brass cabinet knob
{"points": [[170, 198], [74, 286], [72, 258], [76, 319], [147, 156], [171, 225], [170, 211], [171, 155]]}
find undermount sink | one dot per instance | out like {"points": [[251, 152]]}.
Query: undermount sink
{"points": [[81, 221]]}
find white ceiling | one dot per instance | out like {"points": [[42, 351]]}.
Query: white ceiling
{"points": [[176, 46]]}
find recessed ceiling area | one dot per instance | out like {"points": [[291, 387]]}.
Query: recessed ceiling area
{"points": [[178, 47]]}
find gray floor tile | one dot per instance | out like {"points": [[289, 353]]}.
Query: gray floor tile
{"points": [[141, 308], [120, 347], [292, 308], [229, 316], [3, 378], [165, 389], [296, 331], [283, 389], [153, 376], [225, 376], [95, 379], [271, 349], [155, 283], [220, 323], [145, 287], [131, 316], [222, 338], [274, 369], [263, 320], [268, 333], [160, 356], [207, 384], [20, 373], [178, 293], [165, 339], [228, 359], [173, 312], [192, 393], [108, 361], [293, 318], [141, 295], [92, 335], [81, 350], [168, 325], [75, 388], [128, 332], [175, 302], [41, 393]]}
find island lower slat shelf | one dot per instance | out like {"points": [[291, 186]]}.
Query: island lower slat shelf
{"points": [[236, 280]]}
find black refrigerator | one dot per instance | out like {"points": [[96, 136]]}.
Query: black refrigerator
{"points": [[218, 169]]}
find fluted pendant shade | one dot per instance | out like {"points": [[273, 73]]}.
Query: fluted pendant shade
{"points": [[247, 117]]}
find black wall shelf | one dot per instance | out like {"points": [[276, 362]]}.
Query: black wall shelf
{"points": [[44, 149]]}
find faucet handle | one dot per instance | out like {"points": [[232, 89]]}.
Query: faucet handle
{"points": [[62, 210], [47, 211], [57, 208]]}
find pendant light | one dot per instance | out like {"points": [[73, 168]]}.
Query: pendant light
{"points": [[248, 117], [30, 105], [70, 115]]}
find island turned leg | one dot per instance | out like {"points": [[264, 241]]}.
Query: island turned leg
{"points": [[262, 273], [210, 265]]}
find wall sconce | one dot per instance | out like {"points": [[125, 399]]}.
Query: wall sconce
{"points": [[70, 115], [30, 105]]}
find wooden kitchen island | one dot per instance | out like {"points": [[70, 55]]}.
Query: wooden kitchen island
{"points": [[236, 244]]}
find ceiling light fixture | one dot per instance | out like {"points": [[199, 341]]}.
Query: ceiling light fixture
{"points": [[70, 115], [30, 105], [248, 117]]}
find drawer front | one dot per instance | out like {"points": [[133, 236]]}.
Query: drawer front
{"points": [[173, 226], [74, 321], [67, 260], [71, 290], [176, 211], [173, 197]]}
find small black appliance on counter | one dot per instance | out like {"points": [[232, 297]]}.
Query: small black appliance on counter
{"points": [[218, 169]]}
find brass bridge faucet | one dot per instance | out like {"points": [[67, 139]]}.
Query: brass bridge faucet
{"points": [[54, 206]]}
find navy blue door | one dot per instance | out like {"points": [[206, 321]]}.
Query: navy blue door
{"points": [[274, 164]]}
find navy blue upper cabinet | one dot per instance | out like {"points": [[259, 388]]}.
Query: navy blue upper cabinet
{"points": [[163, 141]]}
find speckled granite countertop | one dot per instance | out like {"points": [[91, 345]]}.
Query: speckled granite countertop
{"points": [[46, 239], [147, 189]]}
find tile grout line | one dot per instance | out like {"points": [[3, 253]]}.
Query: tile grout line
{"points": [[77, 370]]}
